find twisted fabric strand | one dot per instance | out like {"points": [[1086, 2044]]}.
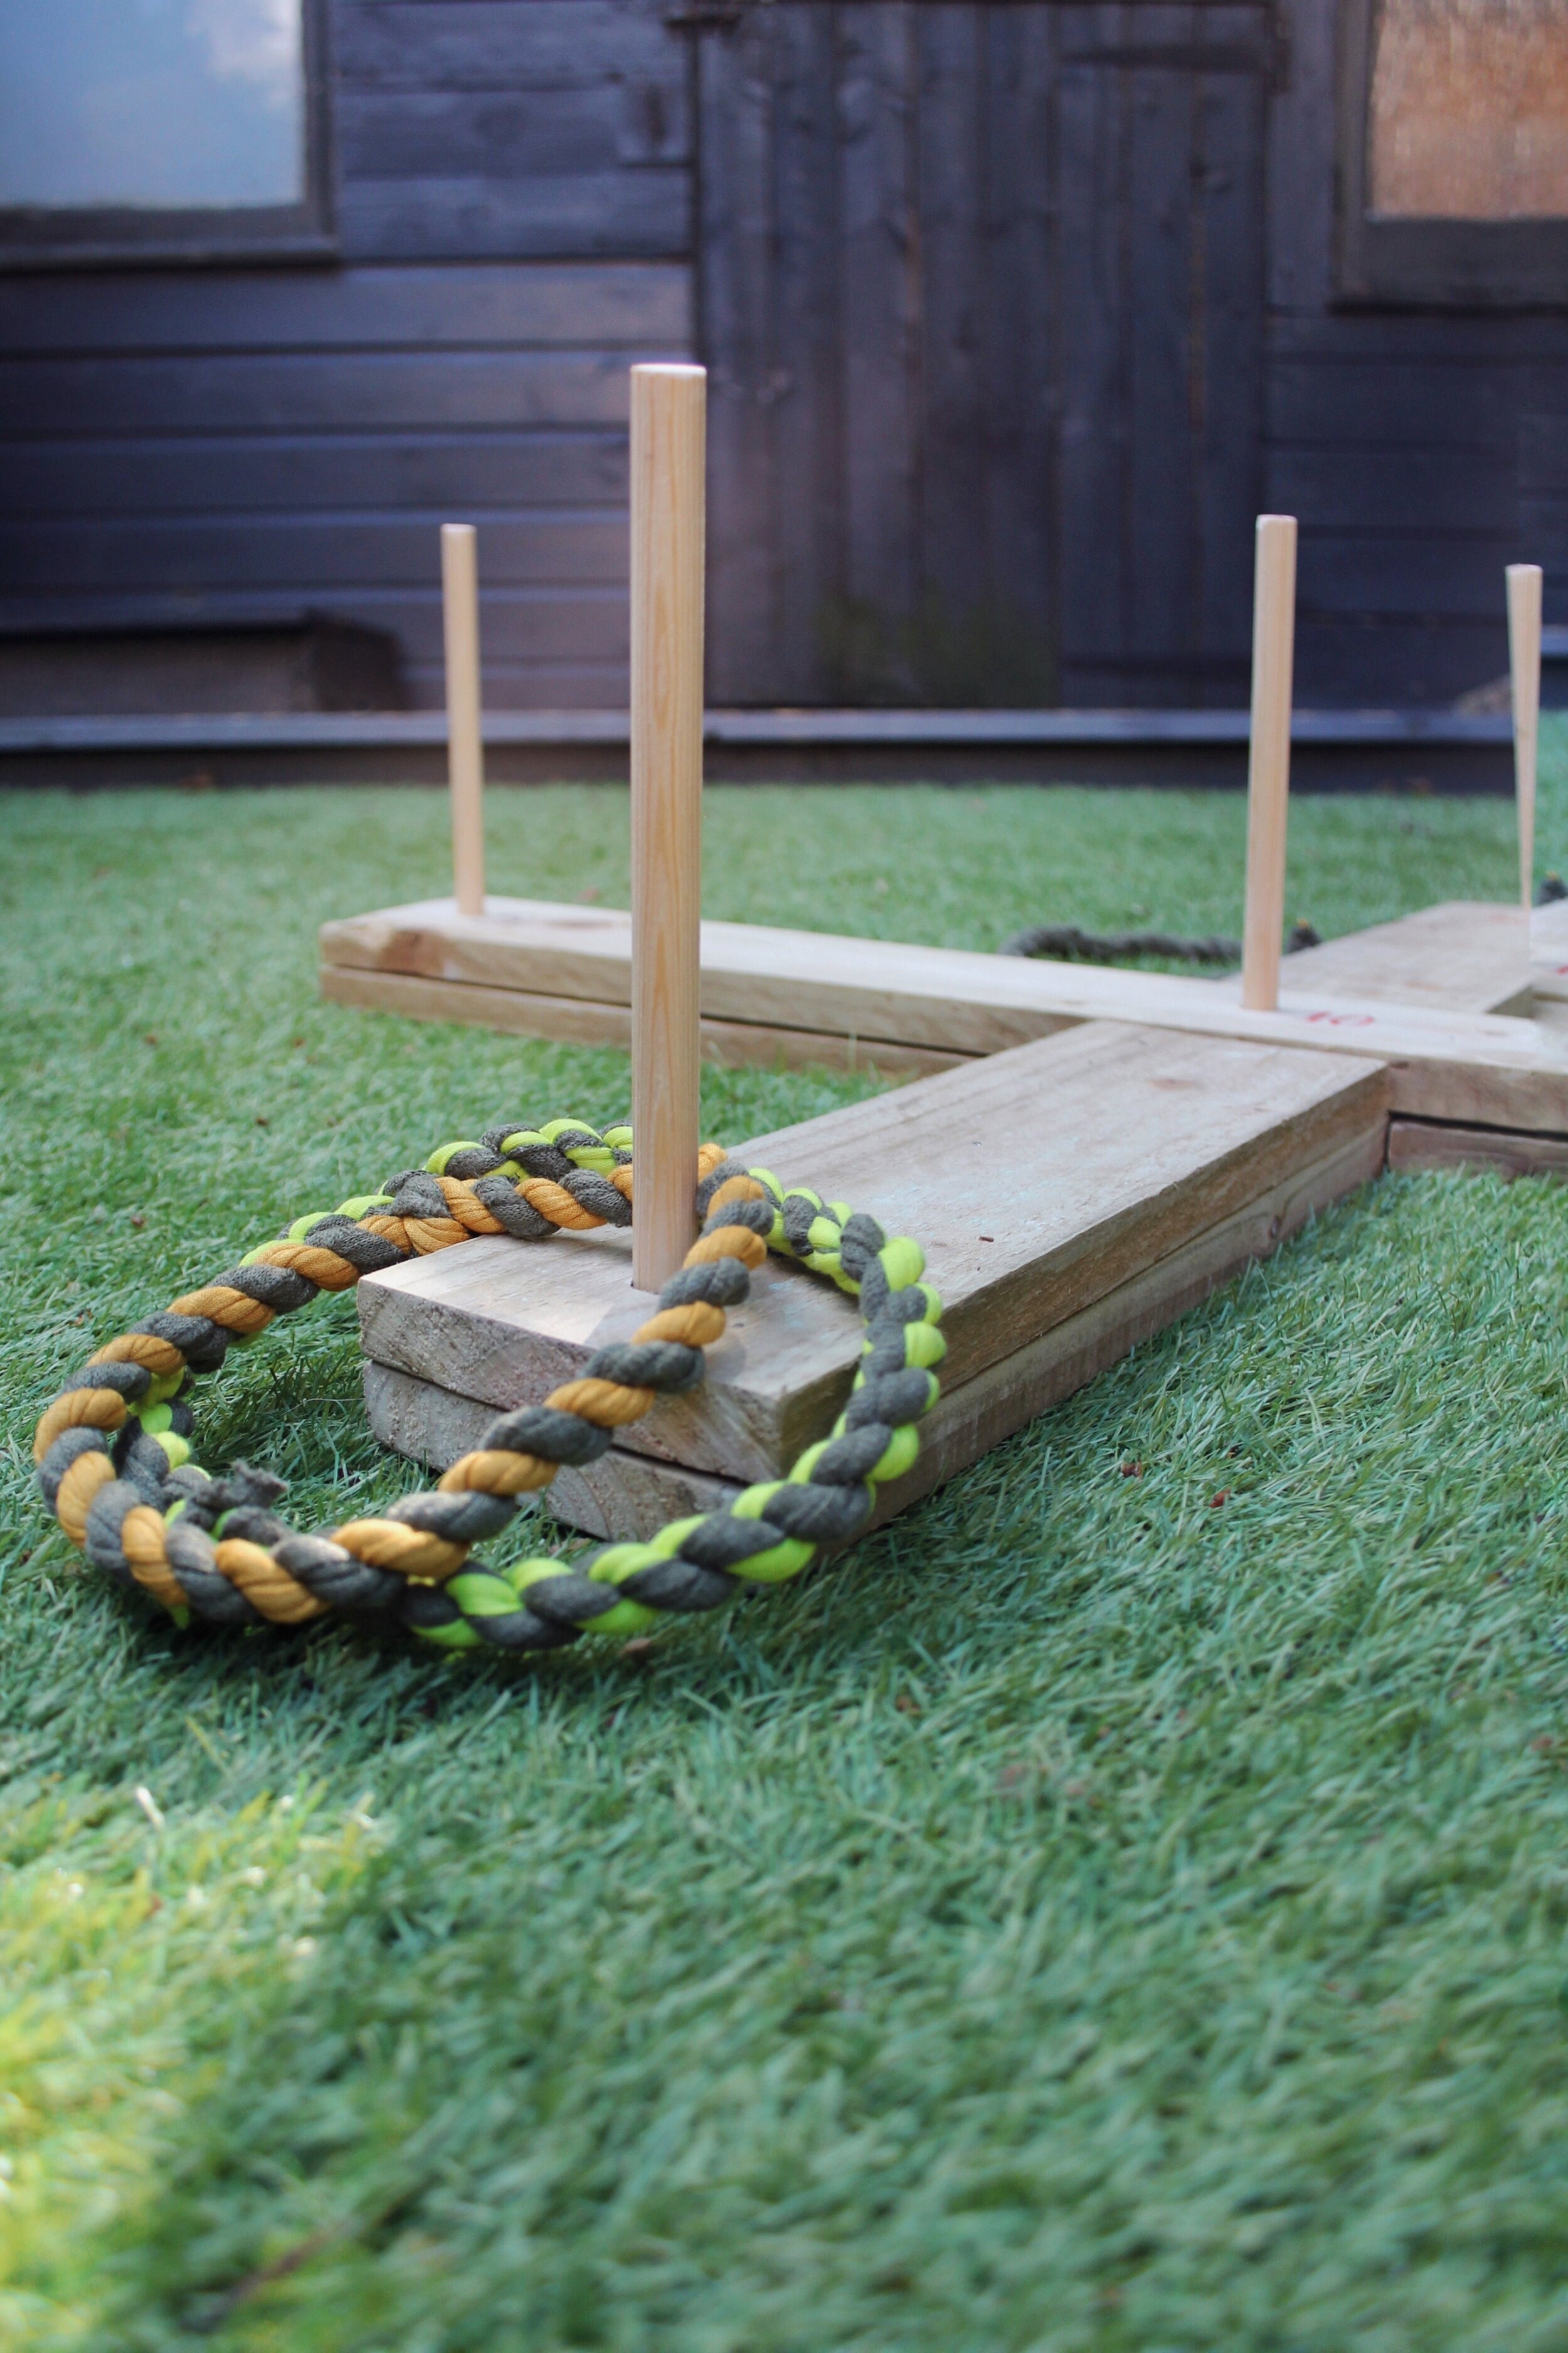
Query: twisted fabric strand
{"points": [[113, 1455]]}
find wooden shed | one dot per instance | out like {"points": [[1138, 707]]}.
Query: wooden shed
{"points": [[1017, 312]]}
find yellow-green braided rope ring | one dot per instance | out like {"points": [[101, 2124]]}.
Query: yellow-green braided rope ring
{"points": [[113, 1453]]}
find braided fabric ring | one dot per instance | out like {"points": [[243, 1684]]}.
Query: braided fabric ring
{"points": [[113, 1453]]}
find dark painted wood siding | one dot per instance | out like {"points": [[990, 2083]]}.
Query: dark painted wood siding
{"points": [[982, 293], [204, 451], [1404, 441], [508, 127], [1016, 311], [204, 448]]}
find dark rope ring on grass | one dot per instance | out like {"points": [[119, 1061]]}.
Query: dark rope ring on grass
{"points": [[113, 1453], [1066, 944]]}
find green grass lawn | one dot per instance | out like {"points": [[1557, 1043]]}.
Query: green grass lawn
{"points": [[1105, 1911]]}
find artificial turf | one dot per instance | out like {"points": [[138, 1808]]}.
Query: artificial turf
{"points": [[1123, 1904]]}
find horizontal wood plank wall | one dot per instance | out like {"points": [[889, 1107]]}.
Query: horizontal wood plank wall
{"points": [[1410, 445], [982, 290], [192, 449], [1016, 313], [510, 128]]}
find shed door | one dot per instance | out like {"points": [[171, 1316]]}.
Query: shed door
{"points": [[980, 288]]}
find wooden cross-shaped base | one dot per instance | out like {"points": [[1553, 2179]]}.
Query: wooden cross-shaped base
{"points": [[1073, 1194]]}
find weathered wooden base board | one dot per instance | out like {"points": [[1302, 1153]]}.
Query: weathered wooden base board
{"points": [[630, 1494], [1435, 1144], [1071, 1195], [579, 1021], [1418, 995], [1075, 1194]]}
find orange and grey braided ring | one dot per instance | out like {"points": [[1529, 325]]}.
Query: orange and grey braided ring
{"points": [[112, 1449]]}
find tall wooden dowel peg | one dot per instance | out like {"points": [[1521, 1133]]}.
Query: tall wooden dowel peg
{"points": [[465, 745], [1269, 768], [669, 446], [1524, 669]]}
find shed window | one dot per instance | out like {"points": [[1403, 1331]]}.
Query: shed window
{"points": [[1468, 118], [158, 128], [1453, 183]]}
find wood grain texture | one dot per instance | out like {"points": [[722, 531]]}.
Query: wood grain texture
{"points": [[1548, 951], [207, 449], [1524, 583], [968, 1421], [579, 1021], [988, 282], [1234, 118], [465, 745], [1269, 768], [621, 213], [518, 306], [622, 1495], [1432, 1143], [634, 1496], [1016, 1175], [999, 383], [1466, 955], [668, 469], [1495, 1069], [552, 45]]}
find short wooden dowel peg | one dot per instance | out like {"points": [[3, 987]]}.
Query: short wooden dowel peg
{"points": [[1268, 767], [1524, 670], [465, 747], [668, 448]]}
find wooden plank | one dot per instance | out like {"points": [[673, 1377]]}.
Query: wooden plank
{"points": [[1300, 193], [284, 391], [1268, 762], [501, 44], [1465, 955], [1089, 370], [1384, 400], [1477, 340], [569, 304], [306, 553], [670, 436], [957, 397], [578, 1021], [750, 974], [623, 1494], [1524, 596], [1413, 572], [1548, 952], [738, 229], [464, 746], [1394, 658], [799, 393], [500, 134], [1162, 300], [634, 1496], [1228, 462], [879, 274], [1015, 1242], [968, 1421], [1382, 490], [1018, 502], [1452, 1064], [1432, 1143], [635, 210], [1543, 447], [390, 473]]}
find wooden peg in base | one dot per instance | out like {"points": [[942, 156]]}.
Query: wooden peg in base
{"points": [[465, 751], [1524, 668], [668, 460], [1269, 772]]}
